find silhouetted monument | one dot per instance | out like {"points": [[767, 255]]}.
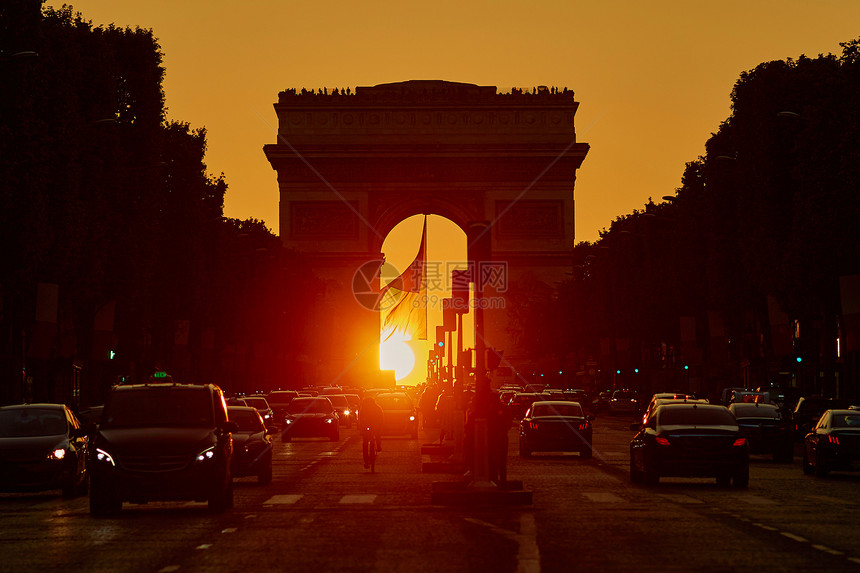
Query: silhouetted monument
{"points": [[352, 166]]}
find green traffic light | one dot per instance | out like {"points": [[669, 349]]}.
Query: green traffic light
{"points": [[799, 359]]}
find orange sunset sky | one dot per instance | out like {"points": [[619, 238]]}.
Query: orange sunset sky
{"points": [[653, 78]]}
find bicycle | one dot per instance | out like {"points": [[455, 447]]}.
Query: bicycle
{"points": [[368, 449]]}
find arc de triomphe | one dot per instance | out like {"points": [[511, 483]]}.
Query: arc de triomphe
{"points": [[353, 165]]}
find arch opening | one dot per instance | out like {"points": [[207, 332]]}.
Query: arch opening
{"points": [[405, 352]]}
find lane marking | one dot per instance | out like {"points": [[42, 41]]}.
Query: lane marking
{"points": [[854, 560], [828, 550], [766, 527], [283, 499], [358, 498], [680, 498], [230, 530], [204, 546], [755, 499], [602, 497], [794, 537]]}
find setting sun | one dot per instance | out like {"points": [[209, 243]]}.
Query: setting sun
{"points": [[395, 354]]}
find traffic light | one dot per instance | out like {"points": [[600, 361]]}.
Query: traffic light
{"points": [[439, 347]]}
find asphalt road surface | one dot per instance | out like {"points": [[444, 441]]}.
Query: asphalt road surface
{"points": [[325, 512]]}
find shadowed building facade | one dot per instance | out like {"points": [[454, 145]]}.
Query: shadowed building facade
{"points": [[352, 166]]}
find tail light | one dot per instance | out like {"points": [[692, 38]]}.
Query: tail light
{"points": [[833, 439], [662, 441], [739, 442]]}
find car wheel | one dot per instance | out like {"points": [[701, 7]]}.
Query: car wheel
{"points": [[821, 468], [807, 467], [652, 475], [635, 475], [742, 476], [525, 452], [265, 476]]}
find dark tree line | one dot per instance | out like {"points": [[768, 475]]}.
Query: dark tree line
{"points": [[112, 236], [739, 272]]}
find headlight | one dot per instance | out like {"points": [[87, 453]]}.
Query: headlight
{"points": [[288, 421], [103, 456], [328, 420], [411, 418], [346, 412], [57, 454], [207, 454]]}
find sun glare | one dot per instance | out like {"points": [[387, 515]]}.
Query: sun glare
{"points": [[395, 354]]}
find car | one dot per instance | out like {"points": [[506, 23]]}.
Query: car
{"points": [[521, 402], [665, 398], [252, 444], [310, 417], [42, 447], [556, 426], [262, 406], [808, 410], [690, 440], [833, 444], [600, 401], [162, 442], [345, 413], [399, 415], [90, 417], [624, 401], [279, 402], [765, 429]]}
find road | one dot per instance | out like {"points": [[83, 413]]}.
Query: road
{"points": [[325, 512]]}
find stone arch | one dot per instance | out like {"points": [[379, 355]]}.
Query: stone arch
{"points": [[350, 167]]}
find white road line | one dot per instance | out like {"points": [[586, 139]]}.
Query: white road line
{"points": [[680, 498], [767, 527], [828, 550], [602, 497], [230, 530], [283, 499], [358, 498], [797, 538], [854, 560], [754, 499], [528, 556], [204, 546]]}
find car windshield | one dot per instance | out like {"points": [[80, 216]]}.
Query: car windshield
{"points": [[754, 411], [846, 420], [31, 422], [688, 416], [258, 403], [174, 407], [247, 420], [393, 402], [556, 410], [338, 400], [310, 406]]}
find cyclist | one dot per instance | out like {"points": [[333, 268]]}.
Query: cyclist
{"points": [[370, 422]]}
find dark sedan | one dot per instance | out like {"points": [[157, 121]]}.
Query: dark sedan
{"points": [[833, 444], [310, 417], [42, 447], [556, 426], [521, 402], [252, 444], [765, 430], [690, 440]]}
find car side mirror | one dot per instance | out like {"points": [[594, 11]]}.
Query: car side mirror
{"points": [[229, 427]]}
